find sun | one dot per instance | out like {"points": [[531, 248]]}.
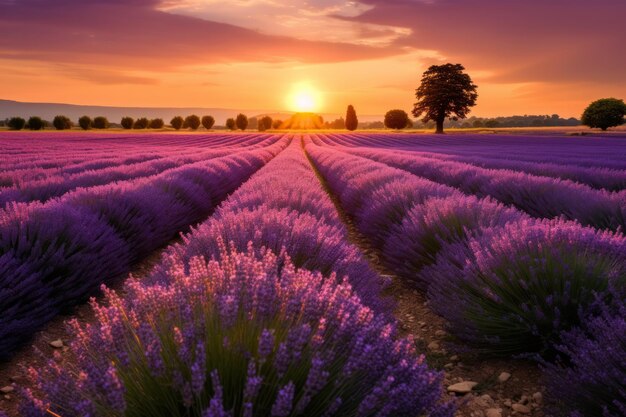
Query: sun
{"points": [[304, 98]]}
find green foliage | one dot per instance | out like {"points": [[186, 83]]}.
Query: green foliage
{"points": [[177, 122], [276, 124], [396, 119], [141, 123], [62, 123], [101, 122], [230, 123], [445, 91], [241, 121], [351, 120], [157, 123], [16, 123], [208, 122], [605, 113], [85, 122], [491, 123], [127, 122], [192, 122], [36, 123]]}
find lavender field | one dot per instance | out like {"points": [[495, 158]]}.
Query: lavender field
{"points": [[275, 290]]}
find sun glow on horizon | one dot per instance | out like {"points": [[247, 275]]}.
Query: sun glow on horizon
{"points": [[304, 98]]}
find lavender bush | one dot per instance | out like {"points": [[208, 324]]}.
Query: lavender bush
{"points": [[54, 255], [591, 378], [515, 288], [427, 228], [248, 335], [270, 210]]}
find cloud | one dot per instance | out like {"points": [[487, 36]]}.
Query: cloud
{"points": [[137, 35], [321, 20], [515, 40]]}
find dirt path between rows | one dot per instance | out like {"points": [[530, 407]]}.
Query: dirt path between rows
{"points": [[506, 387]]}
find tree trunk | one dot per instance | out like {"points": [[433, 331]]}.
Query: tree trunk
{"points": [[439, 126]]}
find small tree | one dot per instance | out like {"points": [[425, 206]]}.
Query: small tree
{"points": [[230, 123], [177, 122], [127, 122], [16, 123], [396, 119], [61, 123], [276, 124], [446, 91], [208, 122], [141, 123], [36, 123], [156, 123], [605, 113], [241, 121], [85, 122], [351, 120], [192, 122], [253, 123], [265, 123], [101, 122]]}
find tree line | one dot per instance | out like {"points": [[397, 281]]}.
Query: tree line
{"points": [[445, 96]]}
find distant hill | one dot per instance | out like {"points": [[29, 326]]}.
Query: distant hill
{"points": [[47, 111]]}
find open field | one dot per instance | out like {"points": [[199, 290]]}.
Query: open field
{"points": [[332, 257]]}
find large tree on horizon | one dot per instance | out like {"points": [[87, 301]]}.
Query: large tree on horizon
{"points": [[445, 92], [604, 113]]}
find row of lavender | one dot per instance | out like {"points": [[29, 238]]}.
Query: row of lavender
{"points": [[541, 197], [232, 323], [562, 150], [63, 157], [35, 184], [508, 284], [550, 157], [55, 254]]}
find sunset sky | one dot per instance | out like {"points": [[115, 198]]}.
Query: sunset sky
{"points": [[527, 56]]}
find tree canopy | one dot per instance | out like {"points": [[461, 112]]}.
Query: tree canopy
{"points": [[396, 119], [192, 122], [62, 122], [36, 123], [230, 123], [445, 91], [100, 122], [605, 113], [351, 120], [208, 122], [127, 122], [16, 123], [241, 121], [177, 122], [85, 122], [141, 123]]}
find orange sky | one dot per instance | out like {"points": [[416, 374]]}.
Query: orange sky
{"points": [[527, 57]]}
